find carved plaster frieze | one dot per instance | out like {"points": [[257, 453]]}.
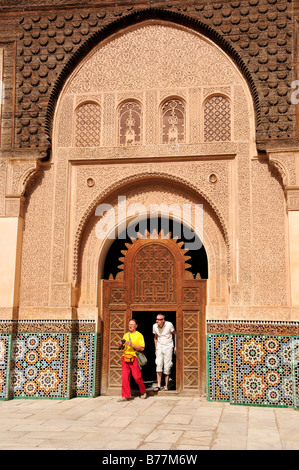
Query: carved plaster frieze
{"points": [[155, 151], [152, 192], [212, 176], [143, 177], [237, 313]]}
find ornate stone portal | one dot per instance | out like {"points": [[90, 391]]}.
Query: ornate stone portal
{"points": [[154, 277], [176, 130]]}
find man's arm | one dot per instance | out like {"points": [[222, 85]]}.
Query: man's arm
{"points": [[174, 334], [122, 343], [137, 347], [155, 341], [134, 346]]}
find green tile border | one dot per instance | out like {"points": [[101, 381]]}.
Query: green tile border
{"points": [[92, 394], [295, 372], [7, 385], [95, 365], [208, 369], [9, 392], [68, 367], [9, 395]]}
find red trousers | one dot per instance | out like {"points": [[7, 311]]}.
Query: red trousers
{"points": [[127, 369]]}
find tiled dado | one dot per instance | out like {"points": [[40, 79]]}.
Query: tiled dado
{"points": [[253, 369], [51, 364]]}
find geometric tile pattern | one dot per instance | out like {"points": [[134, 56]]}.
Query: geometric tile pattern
{"points": [[296, 371], [5, 342], [253, 369], [83, 351], [218, 367], [41, 365], [262, 370], [48, 365], [242, 369]]}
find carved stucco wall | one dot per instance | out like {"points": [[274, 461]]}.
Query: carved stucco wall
{"points": [[257, 33], [60, 247], [147, 193]]}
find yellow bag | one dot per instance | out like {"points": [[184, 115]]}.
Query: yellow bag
{"points": [[129, 358]]}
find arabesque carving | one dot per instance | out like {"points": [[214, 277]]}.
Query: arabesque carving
{"points": [[215, 173], [138, 178]]}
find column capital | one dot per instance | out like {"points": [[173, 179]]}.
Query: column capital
{"points": [[286, 163], [19, 172], [14, 206]]}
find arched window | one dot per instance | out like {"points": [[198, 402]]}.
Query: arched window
{"points": [[217, 119], [88, 125], [173, 117], [130, 123]]}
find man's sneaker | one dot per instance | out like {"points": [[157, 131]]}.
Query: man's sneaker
{"points": [[144, 395]]}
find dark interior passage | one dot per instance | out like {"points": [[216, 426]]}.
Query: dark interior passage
{"points": [[198, 260], [145, 322]]}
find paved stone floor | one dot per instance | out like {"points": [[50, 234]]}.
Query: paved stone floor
{"points": [[157, 423]]}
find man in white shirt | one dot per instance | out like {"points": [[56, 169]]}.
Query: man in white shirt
{"points": [[164, 332]]}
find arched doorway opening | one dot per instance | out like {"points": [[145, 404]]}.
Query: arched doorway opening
{"points": [[145, 320], [156, 274], [198, 258]]}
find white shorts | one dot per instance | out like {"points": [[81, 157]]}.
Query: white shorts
{"points": [[164, 359]]}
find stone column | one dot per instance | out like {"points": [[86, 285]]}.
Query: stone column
{"points": [[287, 164], [293, 216], [11, 230], [18, 172]]}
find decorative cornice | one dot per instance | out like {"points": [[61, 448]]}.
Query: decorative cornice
{"points": [[47, 326], [241, 327]]}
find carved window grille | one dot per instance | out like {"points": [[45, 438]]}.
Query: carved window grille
{"points": [[173, 122], [217, 119], [154, 275], [130, 123], [88, 125]]}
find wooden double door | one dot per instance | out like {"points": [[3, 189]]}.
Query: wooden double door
{"points": [[154, 278]]}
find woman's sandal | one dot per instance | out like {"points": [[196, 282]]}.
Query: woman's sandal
{"points": [[157, 389]]}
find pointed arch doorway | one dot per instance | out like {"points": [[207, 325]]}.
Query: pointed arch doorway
{"points": [[154, 277]]}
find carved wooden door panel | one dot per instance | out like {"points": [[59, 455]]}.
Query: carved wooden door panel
{"points": [[194, 334], [154, 277]]}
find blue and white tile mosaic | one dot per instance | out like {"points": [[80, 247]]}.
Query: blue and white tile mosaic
{"points": [[41, 365], [253, 369]]}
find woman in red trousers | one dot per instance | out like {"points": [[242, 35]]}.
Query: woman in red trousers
{"points": [[132, 341]]}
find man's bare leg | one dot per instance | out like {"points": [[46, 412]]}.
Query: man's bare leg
{"points": [[166, 382], [159, 377]]}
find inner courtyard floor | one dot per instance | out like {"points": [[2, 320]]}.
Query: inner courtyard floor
{"points": [[161, 422]]}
